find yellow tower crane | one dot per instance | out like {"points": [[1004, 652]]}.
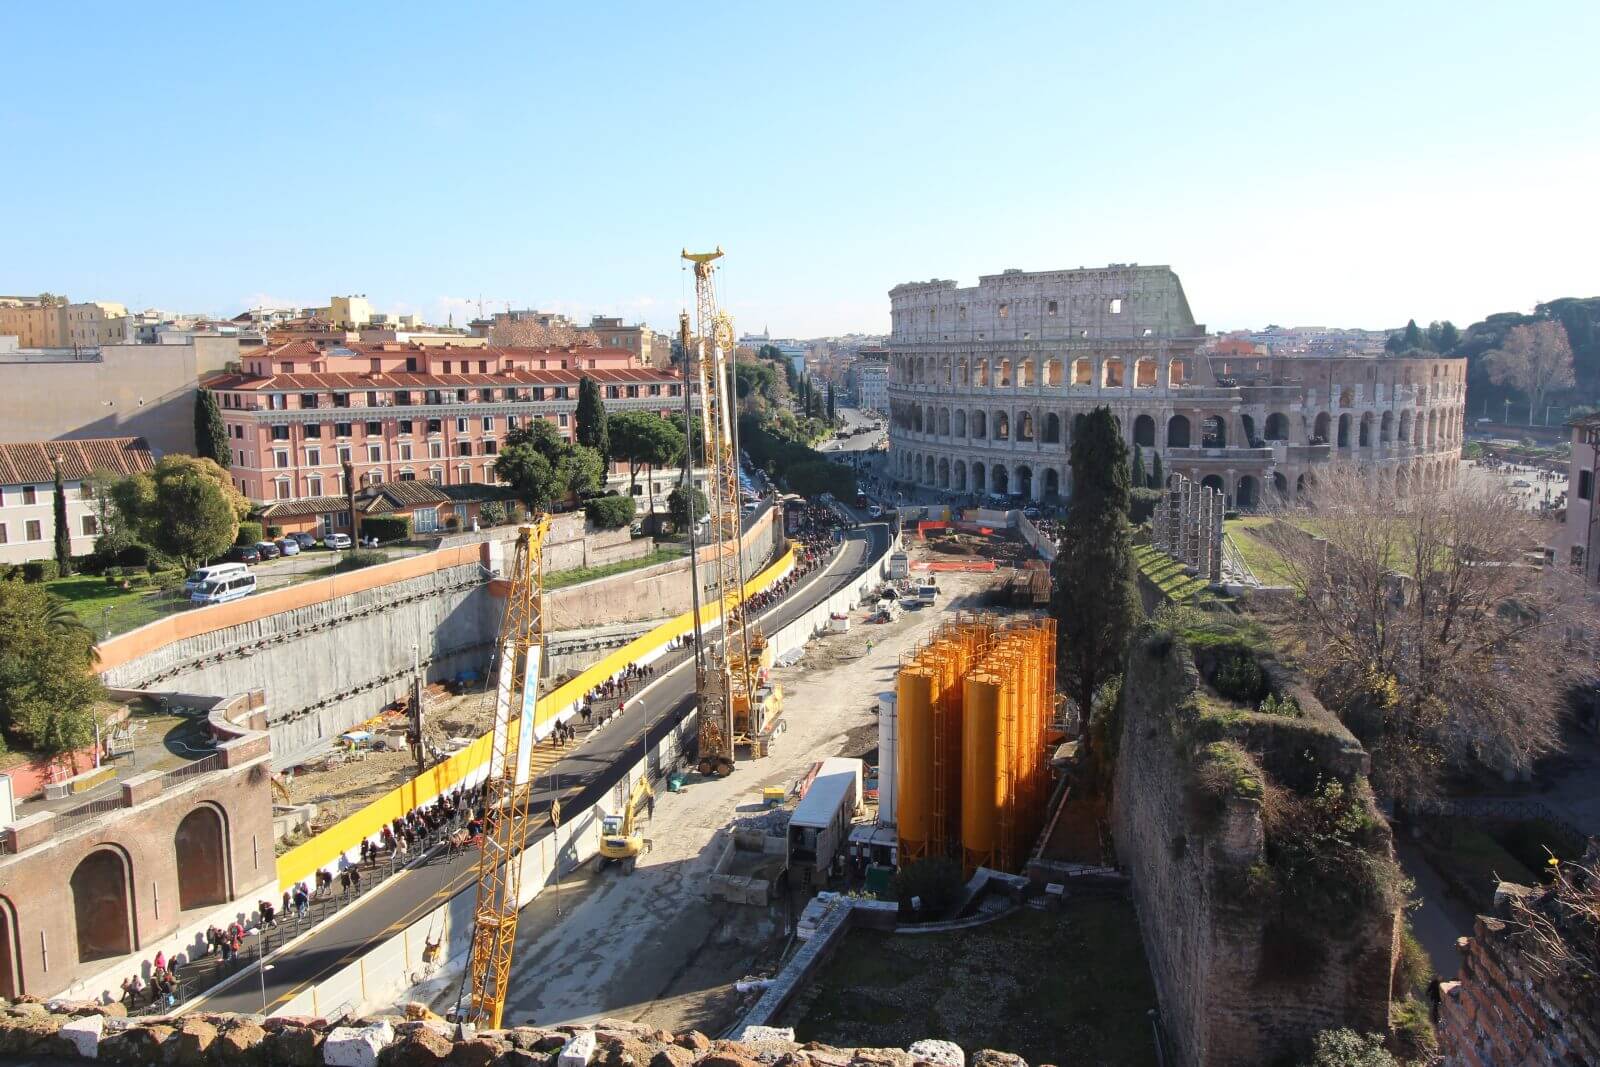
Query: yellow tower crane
{"points": [[724, 671], [494, 930]]}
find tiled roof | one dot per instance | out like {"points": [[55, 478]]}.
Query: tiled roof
{"points": [[373, 500], [32, 463], [293, 383]]}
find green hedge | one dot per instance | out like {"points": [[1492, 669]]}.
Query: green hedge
{"points": [[40, 570], [1142, 505], [387, 527], [354, 561], [611, 512], [249, 533]]}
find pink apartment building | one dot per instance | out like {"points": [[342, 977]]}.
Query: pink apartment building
{"points": [[408, 412]]}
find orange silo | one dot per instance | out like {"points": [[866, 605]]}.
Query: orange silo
{"points": [[982, 771], [914, 767]]}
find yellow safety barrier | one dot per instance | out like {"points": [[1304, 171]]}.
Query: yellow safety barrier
{"points": [[298, 863]]}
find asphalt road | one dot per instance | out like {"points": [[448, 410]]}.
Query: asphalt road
{"points": [[592, 769]]}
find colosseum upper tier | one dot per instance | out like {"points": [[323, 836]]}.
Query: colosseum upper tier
{"points": [[989, 384]]}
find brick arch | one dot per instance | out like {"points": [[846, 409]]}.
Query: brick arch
{"points": [[200, 847], [101, 886]]}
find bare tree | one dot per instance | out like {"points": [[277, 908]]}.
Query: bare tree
{"points": [[1428, 625], [525, 333], [1536, 359]]}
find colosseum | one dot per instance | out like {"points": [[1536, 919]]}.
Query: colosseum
{"points": [[989, 384]]}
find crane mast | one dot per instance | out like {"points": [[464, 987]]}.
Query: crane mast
{"points": [[510, 783], [725, 679]]}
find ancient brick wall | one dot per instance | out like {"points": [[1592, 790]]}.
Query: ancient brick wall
{"points": [[1226, 995], [1504, 1013]]}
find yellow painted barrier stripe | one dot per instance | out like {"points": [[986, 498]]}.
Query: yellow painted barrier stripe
{"points": [[298, 863]]}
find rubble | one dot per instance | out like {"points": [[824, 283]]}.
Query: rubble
{"points": [[32, 1030]]}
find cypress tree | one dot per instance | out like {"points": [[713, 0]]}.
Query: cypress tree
{"points": [[592, 430], [63, 532], [1095, 603], [1157, 478], [210, 435], [1139, 479], [830, 401]]}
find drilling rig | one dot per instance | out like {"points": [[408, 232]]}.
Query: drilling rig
{"points": [[507, 789], [725, 672]]}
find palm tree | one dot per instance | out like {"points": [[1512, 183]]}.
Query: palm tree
{"points": [[63, 618]]}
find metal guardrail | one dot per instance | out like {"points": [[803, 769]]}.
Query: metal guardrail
{"points": [[199, 766], [83, 812]]}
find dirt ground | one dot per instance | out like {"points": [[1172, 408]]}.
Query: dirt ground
{"points": [[649, 946], [341, 784]]}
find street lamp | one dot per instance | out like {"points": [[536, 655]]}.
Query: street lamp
{"points": [[263, 969]]}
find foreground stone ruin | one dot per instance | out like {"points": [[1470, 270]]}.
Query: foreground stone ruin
{"points": [[78, 1031]]}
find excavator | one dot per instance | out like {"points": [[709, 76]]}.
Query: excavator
{"points": [[620, 842]]}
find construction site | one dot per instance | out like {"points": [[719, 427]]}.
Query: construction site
{"points": [[399, 802]]}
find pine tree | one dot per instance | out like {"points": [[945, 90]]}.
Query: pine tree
{"points": [[592, 430], [63, 531], [830, 402], [1096, 603], [1139, 479], [210, 435], [1157, 478]]}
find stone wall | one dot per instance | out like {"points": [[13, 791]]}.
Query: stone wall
{"points": [[1216, 959], [1503, 1012], [83, 1033]]}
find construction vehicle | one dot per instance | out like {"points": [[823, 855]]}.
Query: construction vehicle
{"points": [[510, 781], [725, 669], [620, 842]]}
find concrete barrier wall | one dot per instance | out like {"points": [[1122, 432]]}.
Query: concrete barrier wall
{"points": [[468, 766], [383, 974], [1041, 544]]}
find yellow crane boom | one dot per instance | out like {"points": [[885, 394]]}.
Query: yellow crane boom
{"points": [[510, 782], [725, 679]]}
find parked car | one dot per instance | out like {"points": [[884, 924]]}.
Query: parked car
{"points": [[268, 549], [245, 554], [305, 540], [215, 572], [288, 546], [337, 540]]}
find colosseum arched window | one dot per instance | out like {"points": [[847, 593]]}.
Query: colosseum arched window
{"points": [[1277, 426], [1112, 374], [958, 476], [1214, 432], [1144, 431], [1344, 431], [1082, 371], [1321, 428], [1386, 427], [1405, 426], [1005, 374], [1347, 397], [916, 419], [1025, 426], [980, 373], [1177, 372], [1177, 432], [1052, 374], [961, 371], [980, 424], [944, 473], [979, 482], [1366, 430], [1144, 373], [944, 421], [944, 370], [958, 423], [1052, 428], [1002, 426], [1001, 479]]}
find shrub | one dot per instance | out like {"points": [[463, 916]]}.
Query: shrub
{"points": [[354, 561], [1142, 505], [134, 555], [1413, 971], [1414, 1038], [387, 527], [93, 563], [1346, 1048], [274, 532], [610, 512], [452, 522], [491, 513], [249, 533], [1288, 707], [40, 570], [9, 571], [1239, 677], [935, 882]]}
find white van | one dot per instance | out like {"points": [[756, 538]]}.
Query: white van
{"points": [[222, 590], [214, 573]]}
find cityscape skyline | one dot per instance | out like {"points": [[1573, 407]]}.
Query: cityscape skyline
{"points": [[1427, 182]]}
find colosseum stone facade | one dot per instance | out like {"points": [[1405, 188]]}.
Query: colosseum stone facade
{"points": [[987, 386]]}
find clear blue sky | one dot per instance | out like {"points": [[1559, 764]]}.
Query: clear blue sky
{"points": [[1354, 164]]}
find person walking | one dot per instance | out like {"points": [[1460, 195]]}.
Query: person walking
{"points": [[355, 880]]}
